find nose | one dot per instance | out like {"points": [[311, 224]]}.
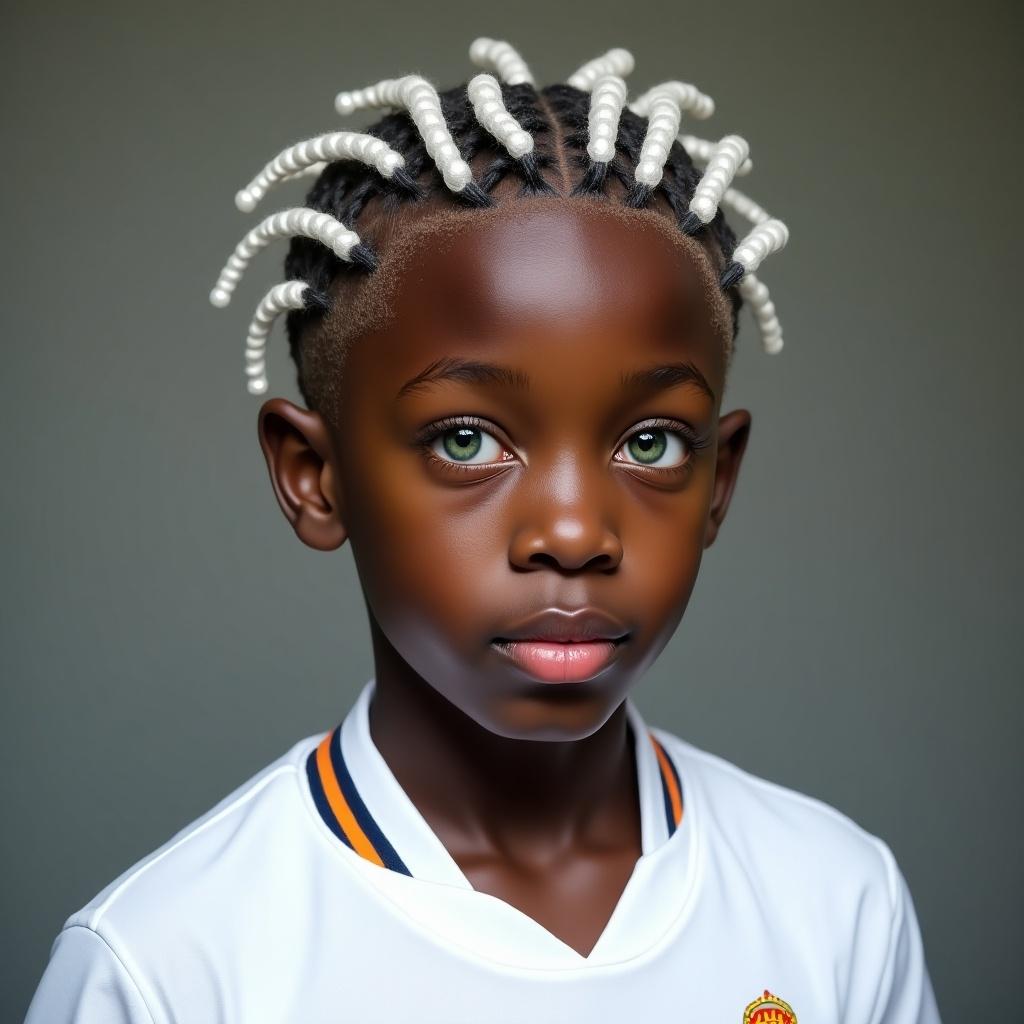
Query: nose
{"points": [[566, 524]]}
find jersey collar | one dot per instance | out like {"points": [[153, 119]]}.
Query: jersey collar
{"points": [[363, 805]]}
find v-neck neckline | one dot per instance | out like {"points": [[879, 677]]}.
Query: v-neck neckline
{"points": [[361, 801]]}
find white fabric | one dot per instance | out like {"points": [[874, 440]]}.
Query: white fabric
{"points": [[257, 913]]}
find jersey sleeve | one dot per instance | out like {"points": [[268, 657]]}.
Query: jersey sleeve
{"points": [[86, 983], [905, 993]]}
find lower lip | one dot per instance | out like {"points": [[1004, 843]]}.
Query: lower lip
{"points": [[559, 663]]}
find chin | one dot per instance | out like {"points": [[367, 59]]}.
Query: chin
{"points": [[550, 712]]}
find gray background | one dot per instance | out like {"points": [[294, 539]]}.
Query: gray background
{"points": [[855, 632]]}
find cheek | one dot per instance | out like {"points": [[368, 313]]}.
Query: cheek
{"points": [[663, 543], [432, 560]]}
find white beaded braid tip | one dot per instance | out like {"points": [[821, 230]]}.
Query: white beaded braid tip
{"points": [[300, 220], [766, 238], [312, 171], [606, 102], [756, 295], [701, 150], [281, 298], [485, 95], [420, 98], [688, 96], [317, 152], [615, 62], [725, 158], [664, 112], [380, 94], [501, 58]]}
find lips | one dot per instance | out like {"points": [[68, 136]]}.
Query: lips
{"points": [[558, 646]]}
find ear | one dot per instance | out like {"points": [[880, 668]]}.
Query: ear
{"points": [[733, 432], [299, 454]]}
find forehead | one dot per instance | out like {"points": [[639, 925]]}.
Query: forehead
{"points": [[542, 278]]}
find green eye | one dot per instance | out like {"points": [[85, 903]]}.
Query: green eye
{"points": [[466, 444], [650, 445], [462, 443]]}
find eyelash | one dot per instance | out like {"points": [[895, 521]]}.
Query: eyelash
{"points": [[694, 442], [428, 435]]}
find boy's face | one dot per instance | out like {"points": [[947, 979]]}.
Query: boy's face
{"points": [[536, 430]]}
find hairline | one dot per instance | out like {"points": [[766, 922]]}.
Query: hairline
{"points": [[366, 306]]}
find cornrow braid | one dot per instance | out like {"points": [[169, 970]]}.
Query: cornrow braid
{"points": [[580, 139]]}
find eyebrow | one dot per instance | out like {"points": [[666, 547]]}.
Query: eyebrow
{"points": [[669, 375], [471, 371], [466, 371]]}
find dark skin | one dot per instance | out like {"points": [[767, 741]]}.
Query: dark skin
{"points": [[531, 786]]}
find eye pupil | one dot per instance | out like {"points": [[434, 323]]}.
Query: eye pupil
{"points": [[648, 445], [462, 442]]}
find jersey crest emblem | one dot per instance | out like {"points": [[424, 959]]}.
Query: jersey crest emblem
{"points": [[769, 1009]]}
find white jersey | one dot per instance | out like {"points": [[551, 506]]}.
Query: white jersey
{"points": [[316, 892]]}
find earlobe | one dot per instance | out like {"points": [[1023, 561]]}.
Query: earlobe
{"points": [[733, 433], [297, 447]]}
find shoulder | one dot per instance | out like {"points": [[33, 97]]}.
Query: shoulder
{"points": [[806, 869], [157, 930], [771, 822], [796, 858], [167, 912], [826, 889], [226, 843]]}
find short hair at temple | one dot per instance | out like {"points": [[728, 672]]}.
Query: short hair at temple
{"points": [[497, 139]]}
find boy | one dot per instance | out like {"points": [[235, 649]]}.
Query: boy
{"points": [[514, 418]]}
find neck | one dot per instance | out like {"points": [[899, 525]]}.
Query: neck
{"points": [[488, 795]]}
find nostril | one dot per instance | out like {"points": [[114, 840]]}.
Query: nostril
{"points": [[600, 561]]}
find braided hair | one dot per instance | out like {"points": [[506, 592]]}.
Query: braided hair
{"points": [[573, 139]]}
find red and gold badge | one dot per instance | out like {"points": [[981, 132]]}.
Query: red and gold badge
{"points": [[769, 1009]]}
